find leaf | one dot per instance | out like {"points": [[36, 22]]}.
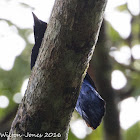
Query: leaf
{"points": [[122, 8], [113, 34]]}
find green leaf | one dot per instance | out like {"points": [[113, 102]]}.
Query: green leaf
{"points": [[122, 7], [113, 34]]}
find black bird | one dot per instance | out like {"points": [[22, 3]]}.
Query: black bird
{"points": [[90, 105], [39, 30]]}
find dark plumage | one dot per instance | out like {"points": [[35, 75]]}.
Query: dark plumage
{"points": [[39, 30], [90, 105]]}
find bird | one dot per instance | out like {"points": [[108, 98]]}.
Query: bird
{"points": [[39, 30], [90, 105]]}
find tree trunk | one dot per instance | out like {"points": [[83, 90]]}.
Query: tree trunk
{"points": [[102, 67], [56, 78]]}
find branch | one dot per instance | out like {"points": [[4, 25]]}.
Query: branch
{"points": [[102, 69], [55, 81], [125, 94], [130, 67]]}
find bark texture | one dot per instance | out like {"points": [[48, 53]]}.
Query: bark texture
{"points": [[102, 67], [56, 78]]}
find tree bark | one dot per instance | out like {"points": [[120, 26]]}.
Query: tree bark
{"points": [[56, 78], [102, 67]]}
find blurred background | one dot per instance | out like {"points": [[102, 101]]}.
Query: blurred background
{"points": [[115, 66]]}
